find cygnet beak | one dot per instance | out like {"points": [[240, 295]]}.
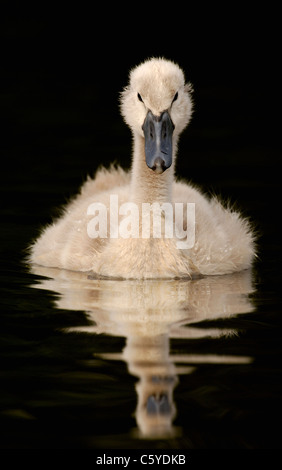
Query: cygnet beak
{"points": [[158, 132], [158, 405]]}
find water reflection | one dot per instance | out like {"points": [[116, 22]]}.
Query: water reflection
{"points": [[149, 314]]}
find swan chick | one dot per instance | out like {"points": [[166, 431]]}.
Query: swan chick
{"points": [[157, 106]]}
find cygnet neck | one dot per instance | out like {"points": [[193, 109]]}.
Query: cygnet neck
{"points": [[146, 185]]}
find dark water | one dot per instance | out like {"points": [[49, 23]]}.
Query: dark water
{"points": [[93, 364]]}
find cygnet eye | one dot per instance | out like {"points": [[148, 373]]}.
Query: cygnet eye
{"points": [[175, 97], [139, 97]]}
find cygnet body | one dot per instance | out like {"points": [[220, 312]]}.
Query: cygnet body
{"points": [[157, 106]]}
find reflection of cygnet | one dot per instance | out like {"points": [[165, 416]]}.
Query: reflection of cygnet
{"points": [[148, 314], [156, 409], [148, 308], [149, 359]]}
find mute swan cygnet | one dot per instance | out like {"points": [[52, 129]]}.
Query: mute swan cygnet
{"points": [[157, 106]]}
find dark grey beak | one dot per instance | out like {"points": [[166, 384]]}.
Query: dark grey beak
{"points": [[158, 405], [158, 132]]}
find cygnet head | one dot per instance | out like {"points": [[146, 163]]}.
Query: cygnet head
{"points": [[157, 106]]}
